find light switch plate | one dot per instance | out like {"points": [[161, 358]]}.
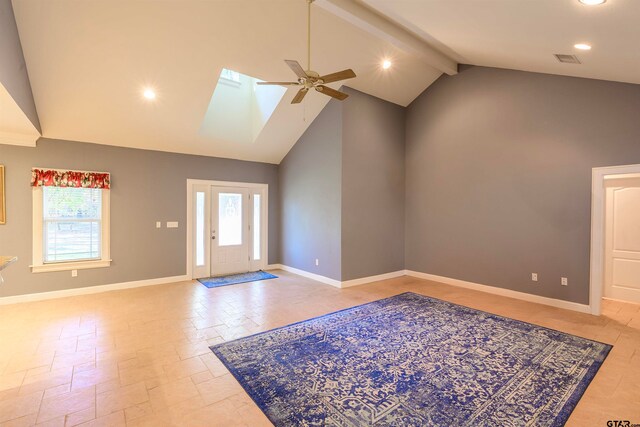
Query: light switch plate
{"points": [[172, 224], [158, 224]]}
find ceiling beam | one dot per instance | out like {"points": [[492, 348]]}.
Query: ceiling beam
{"points": [[380, 26]]}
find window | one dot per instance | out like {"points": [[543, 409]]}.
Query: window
{"points": [[200, 227], [234, 76], [230, 219], [256, 227], [70, 224]]}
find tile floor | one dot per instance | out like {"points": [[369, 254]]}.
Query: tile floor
{"points": [[140, 357]]}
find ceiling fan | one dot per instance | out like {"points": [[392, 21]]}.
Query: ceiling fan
{"points": [[310, 79]]}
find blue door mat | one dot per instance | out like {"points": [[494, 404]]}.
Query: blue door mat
{"points": [[215, 282]]}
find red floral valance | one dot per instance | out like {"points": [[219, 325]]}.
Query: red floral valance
{"points": [[57, 178]]}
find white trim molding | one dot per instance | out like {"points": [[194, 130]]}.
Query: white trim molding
{"points": [[598, 207], [334, 282], [312, 276], [91, 290], [376, 278], [568, 305], [66, 266], [39, 266]]}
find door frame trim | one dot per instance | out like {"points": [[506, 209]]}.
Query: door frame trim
{"points": [[598, 207], [191, 183]]}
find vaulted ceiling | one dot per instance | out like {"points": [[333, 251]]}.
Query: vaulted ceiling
{"points": [[89, 61], [524, 34]]}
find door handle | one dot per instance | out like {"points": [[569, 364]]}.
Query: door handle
{"points": [[213, 235]]}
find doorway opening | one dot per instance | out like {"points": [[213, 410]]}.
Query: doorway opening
{"points": [[615, 235], [227, 228]]}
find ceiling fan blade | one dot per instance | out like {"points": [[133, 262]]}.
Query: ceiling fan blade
{"points": [[299, 96], [332, 92], [278, 83], [340, 75], [297, 68]]}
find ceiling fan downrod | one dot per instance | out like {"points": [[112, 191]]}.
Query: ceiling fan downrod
{"points": [[309, 34]]}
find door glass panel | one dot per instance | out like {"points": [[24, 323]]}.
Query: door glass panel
{"points": [[229, 219], [256, 227], [200, 237]]}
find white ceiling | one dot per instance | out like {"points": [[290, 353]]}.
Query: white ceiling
{"points": [[524, 34], [89, 60]]}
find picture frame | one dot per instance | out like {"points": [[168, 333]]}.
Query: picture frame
{"points": [[3, 201]]}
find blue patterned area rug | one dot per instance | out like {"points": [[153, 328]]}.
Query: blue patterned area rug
{"points": [[215, 282], [412, 360]]}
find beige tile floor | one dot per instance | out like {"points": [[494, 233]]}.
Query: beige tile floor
{"points": [[140, 357]]}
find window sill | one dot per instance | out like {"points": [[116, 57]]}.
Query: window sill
{"points": [[66, 266]]}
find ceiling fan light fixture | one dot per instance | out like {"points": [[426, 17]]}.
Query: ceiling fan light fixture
{"points": [[309, 79], [386, 64]]}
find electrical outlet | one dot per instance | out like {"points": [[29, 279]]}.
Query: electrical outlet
{"points": [[534, 277], [317, 261], [564, 281], [74, 273], [158, 224]]}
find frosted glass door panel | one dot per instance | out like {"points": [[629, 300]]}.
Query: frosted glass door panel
{"points": [[200, 229], [256, 226], [229, 230], [230, 219]]}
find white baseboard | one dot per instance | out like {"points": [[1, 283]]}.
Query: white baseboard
{"points": [[337, 283], [91, 290], [582, 308], [313, 276], [377, 278], [568, 305]]}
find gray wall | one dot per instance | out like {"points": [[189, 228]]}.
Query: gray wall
{"points": [[148, 186], [13, 70], [372, 186], [342, 191], [498, 173], [310, 203]]}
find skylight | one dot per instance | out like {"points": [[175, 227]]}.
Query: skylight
{"points": [[234, 76], [239, 108]]}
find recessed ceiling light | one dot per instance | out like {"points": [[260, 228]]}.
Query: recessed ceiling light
{"points": [[149, 93], [592, 2], [386, 64], [582, 46]]}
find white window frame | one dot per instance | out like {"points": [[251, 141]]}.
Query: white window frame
{"points": [[39, 266]]}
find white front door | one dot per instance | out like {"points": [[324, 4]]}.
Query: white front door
{"points": [[229, 230], [622, 239]]}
